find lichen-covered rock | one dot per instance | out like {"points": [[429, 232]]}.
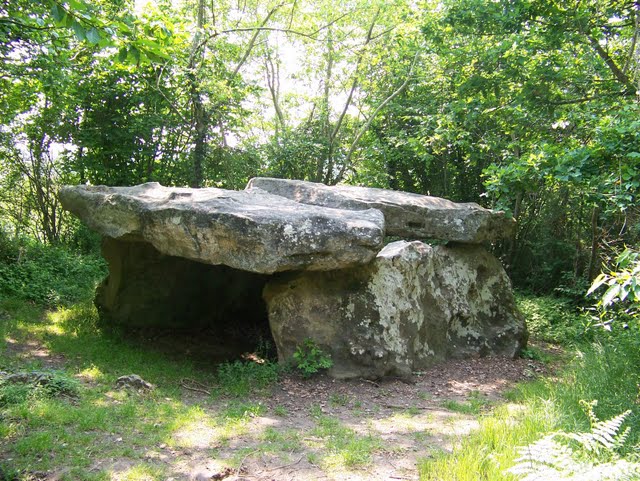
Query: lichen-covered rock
{"points": [[253, 231], [407, 215], [133, 381], [413, 306]]}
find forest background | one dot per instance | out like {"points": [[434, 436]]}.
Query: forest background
{"points": [[530, 106]]}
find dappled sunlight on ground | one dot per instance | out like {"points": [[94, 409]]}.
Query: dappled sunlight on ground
{"points": [[300, 429]]}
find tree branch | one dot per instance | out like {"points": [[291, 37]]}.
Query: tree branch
{"points": [[354, 85], [252, 42], [617, 73], [377, 110]]}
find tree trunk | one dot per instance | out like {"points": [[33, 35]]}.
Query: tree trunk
{"points": [[594, 265], [199, 117], [513, 241]]}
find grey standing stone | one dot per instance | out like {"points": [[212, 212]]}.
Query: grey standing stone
{"points": [[413, 306]]}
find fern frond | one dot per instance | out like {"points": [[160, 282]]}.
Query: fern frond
{"points": [[550, 459]]}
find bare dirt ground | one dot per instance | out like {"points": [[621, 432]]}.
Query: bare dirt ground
{"points": [[409, 420]]}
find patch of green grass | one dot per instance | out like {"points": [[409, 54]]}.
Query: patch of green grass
{"points": [[343, 447], [608, 371], [555, 320], [280, 411], [315, 410], [421, 436], [536, 354], [474, 405], [485, 453], [286, 441], [144, 472], [66, 427], [240, 410], [243, 378], [337, 399], [48, 384], [458, 407], [412, 411], [35, 444], [424, 395]]}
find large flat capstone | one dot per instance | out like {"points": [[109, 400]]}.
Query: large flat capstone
{"points": [[251, 230], [407, 215]]}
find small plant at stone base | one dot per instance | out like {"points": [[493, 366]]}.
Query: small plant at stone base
{"points": [[241, 378], [309, 358]]}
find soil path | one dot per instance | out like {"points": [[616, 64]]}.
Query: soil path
{"points": [[410, 421], [397, 423]]}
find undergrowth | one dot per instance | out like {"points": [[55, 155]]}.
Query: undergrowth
{"points": [[556, 320], [605, 367], [47, 275]]}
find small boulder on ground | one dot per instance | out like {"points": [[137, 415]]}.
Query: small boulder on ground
{"points": [[133, 381]]}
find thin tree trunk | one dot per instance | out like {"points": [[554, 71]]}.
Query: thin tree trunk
{"points": [[513, 241], [199, 117], [594, 265]]}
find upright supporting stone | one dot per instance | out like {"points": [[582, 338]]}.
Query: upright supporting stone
{"points": [[413, 306]]}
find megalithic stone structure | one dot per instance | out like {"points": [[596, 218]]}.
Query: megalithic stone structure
{"points": [[310, 260]]}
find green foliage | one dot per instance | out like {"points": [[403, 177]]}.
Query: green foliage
{"points": [[309, 358], [576, 456], [620, 288], [556, 320], [44, 384], [47, 275], [240, 378]]}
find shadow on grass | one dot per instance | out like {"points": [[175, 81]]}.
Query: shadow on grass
{"points": [[104, 433]]}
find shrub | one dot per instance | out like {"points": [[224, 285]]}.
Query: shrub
{"points": [[309, 358], [48, 275]]}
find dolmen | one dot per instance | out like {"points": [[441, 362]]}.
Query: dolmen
{"points": [[386, 282]]}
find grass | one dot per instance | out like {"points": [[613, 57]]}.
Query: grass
{"points": [[605, 367], [474, 405], [345, 447], [241, 378], [81, 427], [79, 419]]}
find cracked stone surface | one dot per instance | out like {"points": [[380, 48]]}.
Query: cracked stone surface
{"points": [[413, 306], [407, 215], [252, 231]]}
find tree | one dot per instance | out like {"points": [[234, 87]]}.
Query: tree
{"points": [[317, 130], [524, 96]]}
